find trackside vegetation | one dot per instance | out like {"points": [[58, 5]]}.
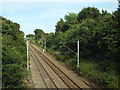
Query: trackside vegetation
{"points": [[13, 55], [99, 36]]}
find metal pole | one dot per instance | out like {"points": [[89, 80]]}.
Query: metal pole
{"points": [[45, 44], [27, 54], [78, 54]]}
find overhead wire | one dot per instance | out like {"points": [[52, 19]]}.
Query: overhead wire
{"points": [[68, 48]]}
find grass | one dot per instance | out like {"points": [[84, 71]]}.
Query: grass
{"points": [[104, 79]]}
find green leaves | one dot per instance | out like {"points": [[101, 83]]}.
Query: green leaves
{"points": [[38, 34], [13, 55], [89, 12], [59, 26], [70, 20], [99, 36], [39, 37]]}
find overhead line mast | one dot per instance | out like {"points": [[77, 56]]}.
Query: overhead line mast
{"points": [[118, 4], [118, 13]]}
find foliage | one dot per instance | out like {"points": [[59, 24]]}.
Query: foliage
{"points": [[99, 36], [30, 38], [13, 55], [99, 39], [39, 36], [59, 26], [103, 78], [89, 12], [30, 35]]}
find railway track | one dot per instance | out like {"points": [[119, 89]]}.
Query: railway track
{"points": [[39, 59], [42, 72]]}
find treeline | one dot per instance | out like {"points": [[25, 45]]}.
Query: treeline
{"points": [[99, 36], [13, 55]]}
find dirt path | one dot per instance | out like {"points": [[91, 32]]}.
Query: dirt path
{"points": [[44, 77]]}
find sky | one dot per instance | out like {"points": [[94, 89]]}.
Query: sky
{"points": [[44, 15]]}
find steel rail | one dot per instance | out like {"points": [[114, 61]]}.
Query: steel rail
{"points": [[49, 62], [44, 69]]}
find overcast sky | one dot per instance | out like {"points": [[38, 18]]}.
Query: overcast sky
{"points": [[44, 15]]}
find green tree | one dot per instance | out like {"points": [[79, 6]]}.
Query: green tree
{"points": [[89, 12], [71, 19], [39, 37], [13, 55], [59, 26], [30, 37], [38, 34]]}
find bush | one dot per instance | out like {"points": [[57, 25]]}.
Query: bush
{"points": [[105, 79], [13, 55]]}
